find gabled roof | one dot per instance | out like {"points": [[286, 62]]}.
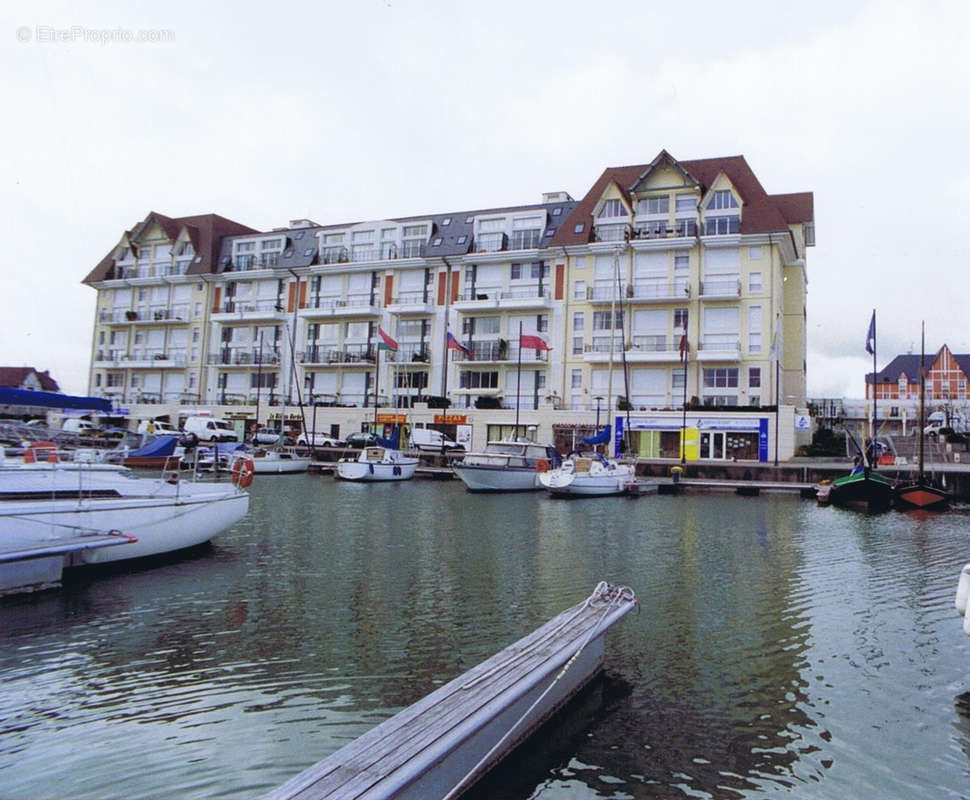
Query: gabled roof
{"points": [[908, 365], [205, 231], [14, 377], [762, 213]]}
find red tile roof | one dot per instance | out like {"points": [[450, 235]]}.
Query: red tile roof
{"points": [[761, 213], [14, 377], [205, 232]]}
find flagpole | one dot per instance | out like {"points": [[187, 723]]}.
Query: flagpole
{"points": [[518, 384], [683, 423], [377, 383], [875, 412]]}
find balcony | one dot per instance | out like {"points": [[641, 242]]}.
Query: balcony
{"points": [[251, 262], [658, 291], [499, 351], [411, 303], [361, 305], [493, 298], [525, 239], [244, 357], [334, 355], [233, 310], [179, 313], [490, 242], [653, 349], [729, 350], [410, 353], [147, 358], [721, 289], [663, 229]]}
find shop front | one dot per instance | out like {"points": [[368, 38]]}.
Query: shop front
{"points": [[722, 437]]}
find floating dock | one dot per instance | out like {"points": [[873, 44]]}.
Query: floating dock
{"points": [[438, 747]]}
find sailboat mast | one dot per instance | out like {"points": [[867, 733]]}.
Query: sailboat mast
{"points": [[518, 384], [922, 394]]}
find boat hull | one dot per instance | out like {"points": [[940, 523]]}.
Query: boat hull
{"points": [[921, 495], [367, 472], [164, 517], [280, 466], [498, 479], [870, 493], [565, 483]]}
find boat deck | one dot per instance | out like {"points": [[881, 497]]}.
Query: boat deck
{"points": [[466, 726]]}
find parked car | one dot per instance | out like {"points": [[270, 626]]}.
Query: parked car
{"points": [[266, 436], [361, 439], [318, 439]]}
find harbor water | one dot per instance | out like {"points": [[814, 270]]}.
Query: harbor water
{"points": [[781, 649]]}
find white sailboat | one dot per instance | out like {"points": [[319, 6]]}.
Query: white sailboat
{"points": [[591, 474], [383, 461]]}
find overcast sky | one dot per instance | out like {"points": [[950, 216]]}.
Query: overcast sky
{"points": [[382, 108]]}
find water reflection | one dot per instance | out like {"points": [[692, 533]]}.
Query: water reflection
{"points": [[780, 646]]}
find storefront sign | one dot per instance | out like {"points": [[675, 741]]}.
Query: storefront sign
{"points": [[450, 419]]}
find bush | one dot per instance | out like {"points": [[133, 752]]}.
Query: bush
{"points": [[825, 442]]}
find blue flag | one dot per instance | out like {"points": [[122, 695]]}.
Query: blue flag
{"points": [[871, 336]]}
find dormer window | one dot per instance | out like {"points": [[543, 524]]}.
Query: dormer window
{"points": [[612, 208], [654, 205], [185, 249], [686, 203], [723, 198]]}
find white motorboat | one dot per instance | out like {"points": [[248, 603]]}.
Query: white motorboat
{"points": [[52, 501], [278, 462], [583, 475], [508, 465], [377, 464]]}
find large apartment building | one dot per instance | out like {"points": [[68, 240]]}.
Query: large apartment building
{"points": [[685, 272]]}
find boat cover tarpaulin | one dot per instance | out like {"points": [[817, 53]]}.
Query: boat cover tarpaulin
{"points": [[157, 448], [600, 438], [22, 397]]}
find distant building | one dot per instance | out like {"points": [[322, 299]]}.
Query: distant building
{"points": [[27, 378]]}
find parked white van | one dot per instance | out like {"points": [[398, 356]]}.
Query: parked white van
{"points": [[210, 429], [430, 439], [82, 426], [157, 427]]}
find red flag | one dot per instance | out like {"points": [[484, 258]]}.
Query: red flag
{"points": [[386, 343], [454, 344], [528, 341]]}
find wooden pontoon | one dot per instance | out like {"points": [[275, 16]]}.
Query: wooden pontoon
{"points": [[438, 747]]}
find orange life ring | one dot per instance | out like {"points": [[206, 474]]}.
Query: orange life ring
{"points": [[41, 450], [242, 471], [542, 465]]}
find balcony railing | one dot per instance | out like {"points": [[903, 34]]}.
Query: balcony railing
{"points": [[334, 255], [234, 306], [494, 294], [662, 229], [154, 314], [726, 349], [726, 287], [239, 356], [411, 298], [659, 290], [410, 353], [330, 354], [335, 305]]}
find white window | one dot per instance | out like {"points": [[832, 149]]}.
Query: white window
{"points": [[612, 208], [722, 261], [754, 329], [576, 379], [686, 202], [681, 262], [579, 320], [755, 253], [579, 290], [722, 198], [754, 282], [654, 205]]}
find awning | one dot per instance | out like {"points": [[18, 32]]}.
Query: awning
{"points": [[22, 398]]}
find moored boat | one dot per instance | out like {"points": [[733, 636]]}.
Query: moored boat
{"points": [[862, 490], [508, 465], [278, 462], [588, 475], [55, 500], [377, 463]]}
